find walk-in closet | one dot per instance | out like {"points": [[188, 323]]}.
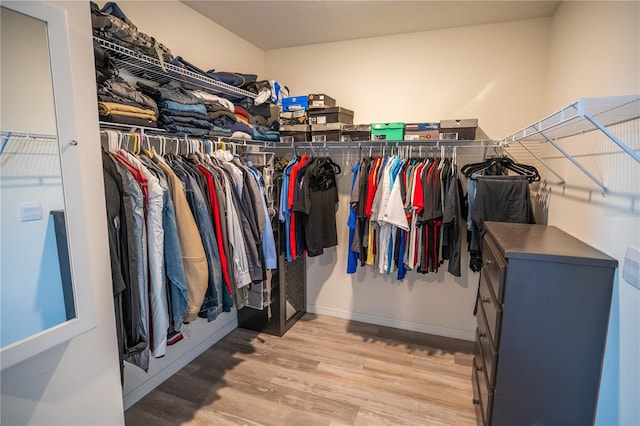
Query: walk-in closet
{"points": [[287, 213]]}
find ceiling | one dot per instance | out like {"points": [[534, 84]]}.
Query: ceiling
{"points": [[279, 24]]}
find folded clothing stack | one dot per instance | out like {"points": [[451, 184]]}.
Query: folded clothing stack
{"points": [[263, 133], [105, 68], [220, 112], [119, 102], [267, 91], [110, 23], [180, 110], [244, 130], [236, 79], [241, 114]]}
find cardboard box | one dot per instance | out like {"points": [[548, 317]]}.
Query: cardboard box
{"points": [[331, 115], [421, 131], [297, 133], [326, 132], [356, 132], [295, 103], [292, 118], [320, 100], [387, 131], [463, 130]]}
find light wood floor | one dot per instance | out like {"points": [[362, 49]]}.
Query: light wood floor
{"points": [[324, 371]]}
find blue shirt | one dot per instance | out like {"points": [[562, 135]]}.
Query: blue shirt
{"points": [[352, 256]]}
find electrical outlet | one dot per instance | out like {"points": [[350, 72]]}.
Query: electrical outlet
{"points": [[631, 267], [30, 212]]}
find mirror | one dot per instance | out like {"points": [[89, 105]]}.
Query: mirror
{"points": [[42, 303]]}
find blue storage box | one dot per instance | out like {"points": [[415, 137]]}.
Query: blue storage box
{"points": [[295, 103]]}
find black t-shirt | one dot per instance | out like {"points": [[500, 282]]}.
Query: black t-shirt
{"points": [[317, 198]]}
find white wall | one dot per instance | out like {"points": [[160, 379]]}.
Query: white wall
{"points": [[490, 72], [197, 39], [595, 51], [495, 73], [77, 382]]}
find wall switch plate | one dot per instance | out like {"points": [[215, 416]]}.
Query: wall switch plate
{"points": [[631, 267], [30, 212]]}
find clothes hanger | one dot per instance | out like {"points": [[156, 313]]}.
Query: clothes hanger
{"points": [[442, 158], [522, 169]]}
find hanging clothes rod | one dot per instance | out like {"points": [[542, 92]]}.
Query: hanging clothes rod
{"points": [[129, 127], [394, 144], [309, 144], [24, 135], [6, 136]]}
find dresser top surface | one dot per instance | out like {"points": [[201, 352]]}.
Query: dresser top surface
{"points": [[541, 242]]}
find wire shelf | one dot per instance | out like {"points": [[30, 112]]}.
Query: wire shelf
{"points": [[574, 119], [584, 116], [149, 68]]}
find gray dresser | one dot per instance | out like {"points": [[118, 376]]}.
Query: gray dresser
{"points": [[542, 314]]}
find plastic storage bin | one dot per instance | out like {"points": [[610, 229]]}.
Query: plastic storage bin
{"points": [[387, 131]]}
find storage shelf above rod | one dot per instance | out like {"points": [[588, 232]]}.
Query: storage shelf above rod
{"points": [[152, 69], [584, 115], [574, 119]]}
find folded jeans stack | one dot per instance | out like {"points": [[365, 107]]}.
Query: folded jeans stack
{"points": [[180, 110], [220, 112]]}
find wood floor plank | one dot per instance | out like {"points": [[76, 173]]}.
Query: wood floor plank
{"points": [[324, 371], [251, 378]]}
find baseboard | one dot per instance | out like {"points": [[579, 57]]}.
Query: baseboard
{"points": [[395, 323], [139, 393]]}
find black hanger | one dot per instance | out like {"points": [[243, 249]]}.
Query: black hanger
{"points": [[505, 162]]}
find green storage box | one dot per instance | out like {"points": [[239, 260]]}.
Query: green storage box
{"points": [[387, 131]]}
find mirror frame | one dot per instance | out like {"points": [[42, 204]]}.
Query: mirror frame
{"points": [[62, 81]]}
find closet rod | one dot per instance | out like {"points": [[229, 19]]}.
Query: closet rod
{"points": [[131, 128], [315, 145], [395, 144], [6, 135], [25, 135]]}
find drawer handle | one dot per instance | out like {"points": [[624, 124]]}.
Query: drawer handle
{"points": [[488, 261], [486, 300], [476, 401], [483, 334], [478, 368]]}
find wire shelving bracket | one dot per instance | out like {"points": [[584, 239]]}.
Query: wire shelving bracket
{"points": [[584, 115]]}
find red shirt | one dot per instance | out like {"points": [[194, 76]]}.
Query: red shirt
{"points": [[213, 197], [290, 198]]}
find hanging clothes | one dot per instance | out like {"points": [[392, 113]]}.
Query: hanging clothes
{"points": [[501, 198], [498, 199], [188, 234], [308, 203], [397, 215]]}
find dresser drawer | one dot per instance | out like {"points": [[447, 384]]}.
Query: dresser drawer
{"points": [[484, 395], [494, 267], [477, 401], [492, 308], [486, 348]]}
